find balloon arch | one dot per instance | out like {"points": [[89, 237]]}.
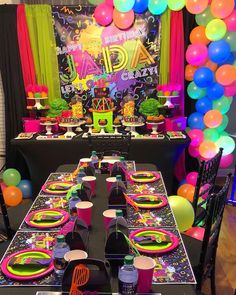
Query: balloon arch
{"points": [[211, 68]]}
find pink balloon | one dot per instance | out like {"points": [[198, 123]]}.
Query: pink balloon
{"points": [[226, 161], [109, 2], [197, 137], [192, 178], [193, 151], [230, 21], [202, 189], [230, 90], [196, 54], [103, 14], [196, 233]]}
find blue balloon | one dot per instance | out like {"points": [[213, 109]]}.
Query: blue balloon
{"points": [[219, 51], [26, 187], [195, 121], [203, 105], [215, 91], [230, 60], [203, 77], [140, 6], [183, 181]]}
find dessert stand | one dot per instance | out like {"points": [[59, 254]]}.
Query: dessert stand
{"points": [[38, 104], [69, 133], [155, 126], [133, 126], [48, 126]]}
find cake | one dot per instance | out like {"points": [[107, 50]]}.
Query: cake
{"points": [[47, 120], [69, 120], [116, 122], [155, 119], [128, 109]]}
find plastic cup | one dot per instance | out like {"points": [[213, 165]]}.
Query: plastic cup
{"points": [[84, 161], [75, 255], [91, 180], [108, 215], [110, 181], [84, 211], [145, 266]]}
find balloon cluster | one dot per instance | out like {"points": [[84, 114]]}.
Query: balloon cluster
{"points": [[13, 188], [211, 70]]}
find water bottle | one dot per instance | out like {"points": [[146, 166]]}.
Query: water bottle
{"points": [[128, 277], [95, 161], [59, 250], [81, 174], [74, 199]]}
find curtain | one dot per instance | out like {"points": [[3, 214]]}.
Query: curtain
{"points": [[26, 56], [12, 80], [165, 47], [40, 24]]}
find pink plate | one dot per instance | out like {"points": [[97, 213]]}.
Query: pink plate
{"points": [[53, 224], [7, 272], [46, 187], [154, 249], [151, 206]]}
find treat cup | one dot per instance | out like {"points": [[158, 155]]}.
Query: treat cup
{"points": [[110, 181], [84, 161], [84, 211], [145, 266], [75, 255], [108, 215], [91, 180]]}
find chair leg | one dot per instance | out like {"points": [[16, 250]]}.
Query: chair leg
{"points": [[213, 283]]}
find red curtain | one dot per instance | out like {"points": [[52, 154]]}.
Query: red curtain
{"points": [[27, 62]]}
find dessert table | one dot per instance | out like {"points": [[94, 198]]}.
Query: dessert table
{"points": [[45, 156], [178, 283]]}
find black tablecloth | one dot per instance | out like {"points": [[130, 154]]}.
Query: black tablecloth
{"points": [[43, 156]]}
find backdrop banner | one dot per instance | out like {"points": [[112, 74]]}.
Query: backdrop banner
{"points": [[89, 55]]}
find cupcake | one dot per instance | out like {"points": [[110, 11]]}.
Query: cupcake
{"points": [[116, 122]]}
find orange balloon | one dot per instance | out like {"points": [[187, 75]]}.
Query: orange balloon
{"points": [[208, 149], [222, 8], [198, 36], [211, 65], [190, 194], [213, 119], [123, 20], [226, 75], [189, 72], [12, 195], [184, 189]]}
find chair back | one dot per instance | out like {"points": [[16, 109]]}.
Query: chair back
{"points": [[206, 180], [215, 209]]}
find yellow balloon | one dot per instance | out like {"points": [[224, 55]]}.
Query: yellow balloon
{"points": [[176, 5], [216, 30]]}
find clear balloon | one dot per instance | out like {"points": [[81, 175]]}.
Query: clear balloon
{"points": [[213, 119], [157, 7], [226, 161], [124, 5], [103, 14], [226, 75], [222, 8], [192, 178], [26, 188], [176, 5], [215, 91], [216, 30], [195, 92], [198, 36], [183, 212], [204, 18], [196, 54], [195, 121], [219, 51], [230, 38], [196, 136], [203, 105], [227, 143], [211, 134], [203, 77], [140, 6], [208, 149], [222, 105], [230, 21], [123, 20], [12, 196], [196, 6], [11, 176]]}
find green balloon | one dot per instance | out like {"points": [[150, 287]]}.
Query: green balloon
{"points": [[124, 5], [227, 143], [176, 5], [183, 212], [211, 134], [95, 2], [11, 177], [195, 92], [204, 18], [222, 105], [216, 29], [223, 125], [230, 37]]}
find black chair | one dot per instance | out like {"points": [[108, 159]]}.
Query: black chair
{"points": [[202, 254], [4, 213], [118, 145], [206, 176], [232, 200]]}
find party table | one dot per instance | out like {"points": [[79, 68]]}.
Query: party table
{"points": [[44, 156], [167, 285]]}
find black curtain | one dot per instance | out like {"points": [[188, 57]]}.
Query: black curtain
{"points": [[13, 85]]}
